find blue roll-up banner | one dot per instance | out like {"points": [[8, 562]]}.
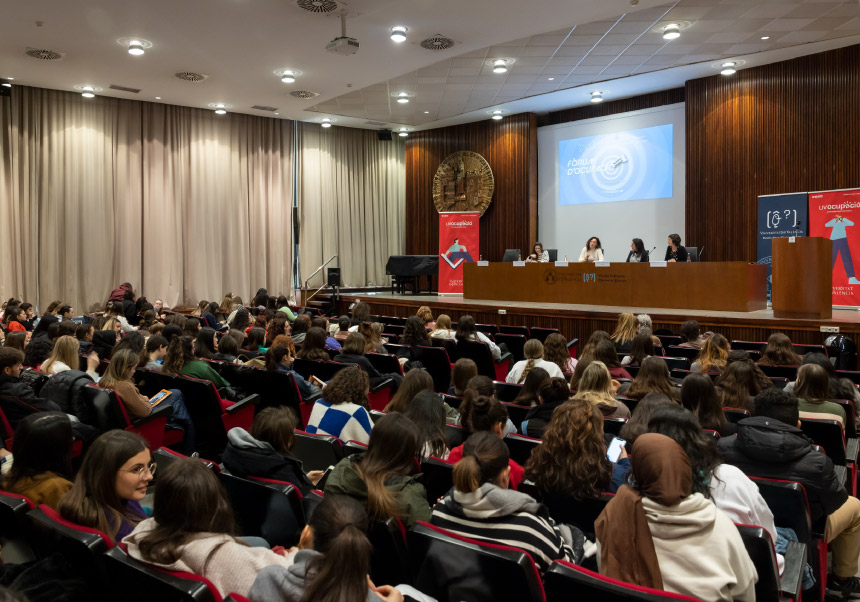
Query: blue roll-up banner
{"points": [[779, 216]]}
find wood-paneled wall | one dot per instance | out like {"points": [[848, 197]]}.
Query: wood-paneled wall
{"points": [[510, 147], [792, 126]]}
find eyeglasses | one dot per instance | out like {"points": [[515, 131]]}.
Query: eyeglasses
{"points": [[141, 470]]}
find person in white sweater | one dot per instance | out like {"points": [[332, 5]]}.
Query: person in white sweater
{"points": [[592, 251], [192, 531], [533, 351], [466, 331], [65, 356], [659, 534]]}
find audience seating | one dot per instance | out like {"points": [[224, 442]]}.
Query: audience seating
{"points": [[613, 424], [394, 330], [6, 431], [572, 347], [317, 452], [630, 402], [482, 356], [82, 547], [275, 388], [517, 414], [632, 370], [759, 546], [141, 582], [565, 582], [514, 343], [488, 329], [236, 598], [398, 349], [780, 382], [735, 415], [523, 330], [581, 513], [542, 333], [451, 568], [376, 415], [715, 435], [670, 340], [507, 392], [437, 475], [789, 372], [450, 346], [15, 527], [451, 400], [354, 447], [164, 457], [109, 413], [306, 368], [437, 363], [385, 363], [389, 563], [749, 345], [265, 508], [688, 352], [455, 435], [852, 375], [850, 416], [520, 447], [828, 433], [804, 348], [677, 362]]}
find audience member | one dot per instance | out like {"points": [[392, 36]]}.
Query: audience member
{"points": [[625, 330], [17, 400], [779, 352], [555, 350], [180, 360], [66, 356], [228, 350], [360, 313], [427, 317], [16, 340], [466, 331], [192, 529], [533, 351], [343, 411], [691, 336], [383, 477], [464, 370], [813, 393], [279, 358], [645, 323], [653, 377], [480, 506], [605, 352], [110, 484], [840, 388], [415, 381], [713, 354], [206, 344], [314, 345], [699, 395], [738, 385], [43, 459], [427, 411], [771, 445], [254, 341], [552, 392], [595, 387], [443, 329], [330, 341], [353, 353], [342, 328], [530, 391], [660, 534], [156, 349], [641, 348], [415, 333], [638, 423]]}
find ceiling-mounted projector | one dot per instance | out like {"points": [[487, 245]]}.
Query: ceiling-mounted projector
{"points": [[344, 44]]}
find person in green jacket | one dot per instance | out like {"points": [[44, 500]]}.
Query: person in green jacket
{"points": [[180, 360], [383, 478]]}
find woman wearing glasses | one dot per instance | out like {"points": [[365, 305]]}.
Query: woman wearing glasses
{"points": [[112, 481]]}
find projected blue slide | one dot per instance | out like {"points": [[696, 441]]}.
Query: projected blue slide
{"points": [[624, 166]]}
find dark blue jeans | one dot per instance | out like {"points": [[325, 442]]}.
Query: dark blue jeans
{"points": [[841, 245]]}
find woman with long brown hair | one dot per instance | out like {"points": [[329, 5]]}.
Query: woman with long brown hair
{"points": [[625, 330], [605, 352], [551, 393], [382, 478], [110, 484], [738, 385], [653, 377], [314, 345], [699, 395], [192, 529], [571, 463], [812, 389], [713, 355], [464, 370], [530, 391], [482, 507], [779, 352], [415, 381], [555, 351]]}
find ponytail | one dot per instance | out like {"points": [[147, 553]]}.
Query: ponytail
{"points": [[481, 413], [529, 365], [485, 456], [339, 526], [533, 350]]}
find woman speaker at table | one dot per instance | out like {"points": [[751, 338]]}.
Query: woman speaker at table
{"points": [[637, 253], [592, 251], [675, 252]]}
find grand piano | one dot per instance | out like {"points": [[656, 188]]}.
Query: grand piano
{"points": [[408, 270]]}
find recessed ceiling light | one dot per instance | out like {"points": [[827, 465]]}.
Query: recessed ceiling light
{"points": [[404, 132], [289, 75], [403, 98], [426, 112], [728, 68], [136, 46], [398, 33], [765, 37], [550, 79], [496, 114], [87, 92], [671, 31], [597, 96], [158, 98], [277, 113], [326, 122], [5, 84], [500, 66], [10, 78], [220, 109]]}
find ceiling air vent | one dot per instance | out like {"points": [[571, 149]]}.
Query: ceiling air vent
{"points": [[124, 89], [190, 76], [262, 108], [303, 94], [376, 123], [44, 55], [437, 42], [319, 6]]}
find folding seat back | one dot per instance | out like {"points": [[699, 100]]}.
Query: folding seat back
{"points": [[850, 416], [14, 527], [515, 344], [565, 581], [265, 508], [82, 547], [330, 368], [480, 353], [670, 340], [142, 582], [390, 560], [455, 435], [507, 392], [164, 457], [613, 424], [278, 389], [691, 353], [7, 433], [109, 413], [780, 382], [789, 372], [452, 400], [677, 362], [488, 329], [581, 513], [520, 447], [749, 345], [852, 375], [317, 452], [632, 370], [542, 333], [150, 382], [573, 347], [517, 414], [630, 402], [436, 361], [396, 330], [759, 546], [449, 345], [522, 330], [385, 363], [735, 415], [354, 447], [828, 434], [308, 368], [451, 568], [804, 348], [438, 478]]}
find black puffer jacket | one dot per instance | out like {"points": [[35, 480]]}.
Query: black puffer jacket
{"points": [[765, 447], [66, 389], [536, 421]]}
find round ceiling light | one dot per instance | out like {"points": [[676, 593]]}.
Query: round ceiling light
{"points": [[88, 92], [728, 68], [597, 96], [500, 66], [135, 48], [220, 110], [671, 31], [398, 33], [497, 115], [326, 122], [403, 98], [403, 132], [287, 75]]}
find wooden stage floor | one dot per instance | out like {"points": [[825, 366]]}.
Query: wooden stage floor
{"points": [[579, 320]]}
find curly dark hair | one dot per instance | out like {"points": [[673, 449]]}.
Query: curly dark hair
{"points": [[572, 459], [415, 333], [350, 385]]}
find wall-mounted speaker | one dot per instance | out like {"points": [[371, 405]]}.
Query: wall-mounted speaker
{"points": [[333, 276], [384, 134]]}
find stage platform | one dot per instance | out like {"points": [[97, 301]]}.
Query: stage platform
{"points": [[574, 320]]}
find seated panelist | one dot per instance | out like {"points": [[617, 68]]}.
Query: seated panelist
{"points": [[592, 251], [675, 252], [538, 254], [637, 253]]}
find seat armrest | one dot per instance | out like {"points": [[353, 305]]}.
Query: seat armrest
{"points": [[852, 447], [388, 382], [159, 411], [792, 573], [572, 343], [841, 474], [506, 357], [250, 400]]}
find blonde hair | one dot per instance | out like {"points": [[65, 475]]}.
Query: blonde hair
{"points": [[595, 386], [443, 322], [626, 329], [66, 350], [533, 350], [119, 365], [110, 324], [425, 314]]}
